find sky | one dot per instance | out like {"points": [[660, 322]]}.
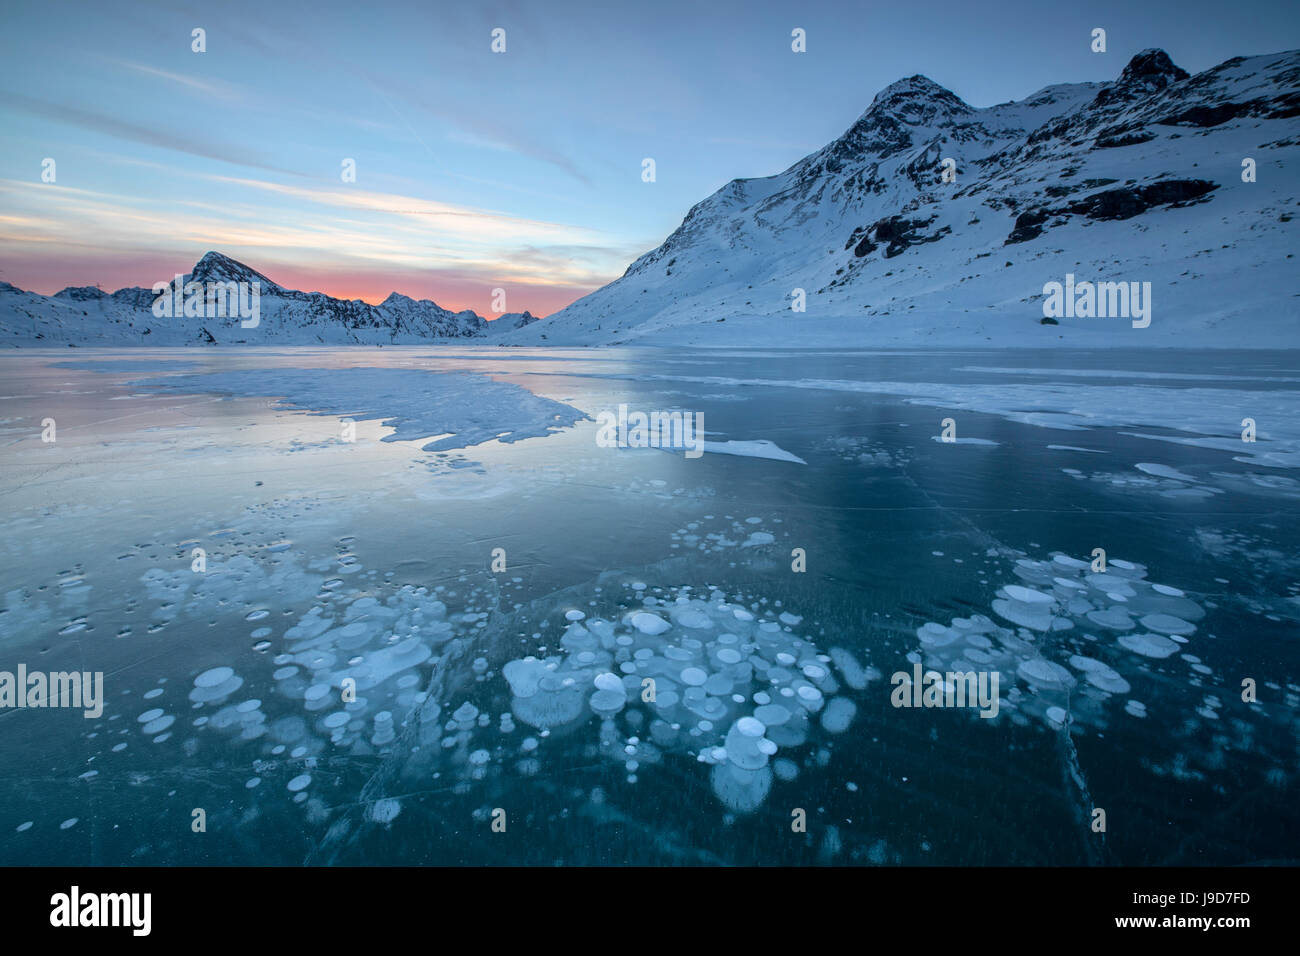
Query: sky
{"points": [[477, 170]]}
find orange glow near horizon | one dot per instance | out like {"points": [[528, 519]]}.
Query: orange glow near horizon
{"points": [[448, 290]]}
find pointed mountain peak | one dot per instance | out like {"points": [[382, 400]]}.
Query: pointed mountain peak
{"points": [[1152, 69], [215, 267], [917, 99]]}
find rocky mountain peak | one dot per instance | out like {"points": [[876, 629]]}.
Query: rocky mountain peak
{"points": [[916, 100], [215, 267], [1153, 70]]}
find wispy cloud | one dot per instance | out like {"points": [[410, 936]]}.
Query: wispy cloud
{"points": [[213, 88], [318, 226], [138, 133]]}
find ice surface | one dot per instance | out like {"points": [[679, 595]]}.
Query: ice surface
{"points": [[756, 448], [466, 408]]}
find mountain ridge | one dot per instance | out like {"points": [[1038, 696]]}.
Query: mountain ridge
{"points": [[86, 315], [1111, 181]]}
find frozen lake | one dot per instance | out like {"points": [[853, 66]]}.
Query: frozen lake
{"points": [[228, 537]]}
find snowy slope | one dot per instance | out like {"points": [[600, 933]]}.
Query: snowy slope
{"points": [[1139, 180], [89, 316]]}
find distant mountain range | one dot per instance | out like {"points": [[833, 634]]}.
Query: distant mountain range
{"points": [[928, 223], [1139, 180], [89, 316]]}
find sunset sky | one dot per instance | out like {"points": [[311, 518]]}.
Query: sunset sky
{"points": [[477, 170]]}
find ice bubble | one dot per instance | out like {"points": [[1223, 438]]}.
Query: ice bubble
{"points": [[479, 757], [385, 810], [1056, 715], [149, 715], [607, 702], [785, 769], [1166, 589], [772, 715], [1115, 618], [741, 790], [1027, 595], [648, 623], [550, 708], [1100, 675], [693, 676], [159, 725], [719, 685], [1136, 708], [1167, 624], [1038, 671], [214, 677], [854, 674], [608, 681], [1035, 616], [838, 715], [696, 620], [936, 635], [299, 782], [1148, 645], [729, 656], [750, 727], [574, 615], [666, 699]]}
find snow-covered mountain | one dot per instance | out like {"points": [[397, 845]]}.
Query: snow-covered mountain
{"points": [[90, 316], [1139, 180]]}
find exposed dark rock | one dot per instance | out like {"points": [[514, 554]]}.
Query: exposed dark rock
{"points": [[1029, 225], [1128, 139], [1127, 202]]}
